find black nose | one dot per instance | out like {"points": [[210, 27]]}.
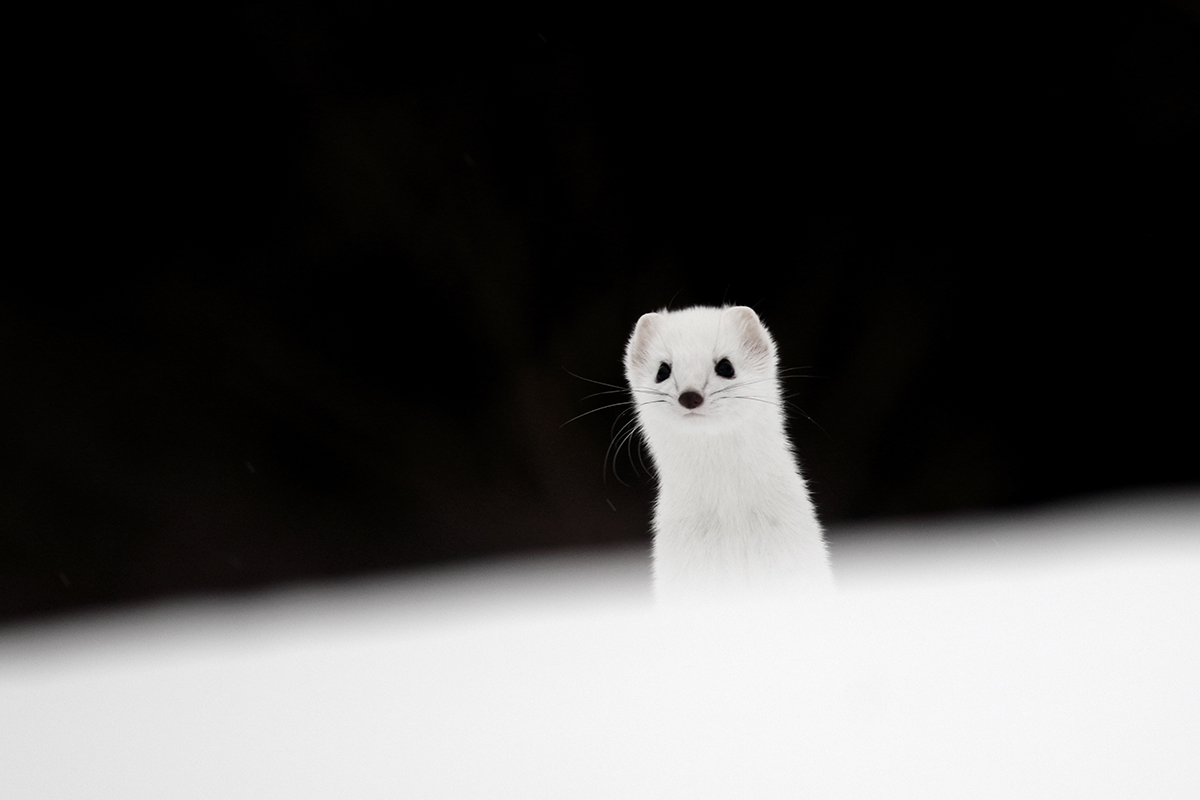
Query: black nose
{"points": [[691, 400]]}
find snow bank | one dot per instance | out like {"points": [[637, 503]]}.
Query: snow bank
{"points": [[1051, 654]]}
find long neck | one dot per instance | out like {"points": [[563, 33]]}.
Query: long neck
{"points": [[726, 469]]}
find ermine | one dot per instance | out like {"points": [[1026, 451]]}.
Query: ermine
{"points": [[733, 513]]}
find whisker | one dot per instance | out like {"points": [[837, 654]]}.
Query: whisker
{"points": [[768, 400], [607, 391], [604, 467], [612, 429], [624, 435], [589, 380], [804, 414], [630, 439], [593, 411], [737, 386], [641, 457]]}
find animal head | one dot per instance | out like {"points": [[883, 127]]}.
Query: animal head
{"points": [[708, 368]]}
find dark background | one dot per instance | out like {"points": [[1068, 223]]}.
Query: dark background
{"points": [[297, 290]]}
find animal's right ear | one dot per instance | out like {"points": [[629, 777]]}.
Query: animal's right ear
{"points": [[637, 353]]}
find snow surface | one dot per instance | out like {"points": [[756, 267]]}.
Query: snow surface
{"points": [[1053, 654]]}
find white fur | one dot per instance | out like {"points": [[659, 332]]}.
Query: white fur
{"points": [[733, 512]]}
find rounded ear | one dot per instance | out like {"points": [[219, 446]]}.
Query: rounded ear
{"points": [[637, 351], [751, 331]]}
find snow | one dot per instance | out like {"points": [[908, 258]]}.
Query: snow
{"points": [[1047, 654]]}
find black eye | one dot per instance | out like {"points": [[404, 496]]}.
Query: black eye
{"points": [[664, 372], [724, 368]]}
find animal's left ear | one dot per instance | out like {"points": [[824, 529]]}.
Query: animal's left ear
{"points": [[753, 334]]}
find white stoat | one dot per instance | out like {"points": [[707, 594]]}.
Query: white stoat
{"points": [[733, 512]]}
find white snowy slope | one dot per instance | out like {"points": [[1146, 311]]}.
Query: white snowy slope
{"points": [[1050, 655]]}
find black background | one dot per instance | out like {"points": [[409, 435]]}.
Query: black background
{"points": [[302, 290]]}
